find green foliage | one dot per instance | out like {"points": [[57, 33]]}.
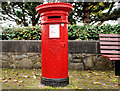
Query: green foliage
{"points": [[23, 13], [74, 32], [115, 14], [28, 33], [90, 32], [88, 12]]}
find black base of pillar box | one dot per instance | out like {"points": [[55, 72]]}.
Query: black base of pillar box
{"points": [[117, 68], [55, 82]]}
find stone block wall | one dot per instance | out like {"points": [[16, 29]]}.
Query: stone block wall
{"points": [[81, 61], [83, 55], [85, 61], [21, 60]]}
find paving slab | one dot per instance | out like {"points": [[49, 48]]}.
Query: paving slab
{"points": [[30, 79]]}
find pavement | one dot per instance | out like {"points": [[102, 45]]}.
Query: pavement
{"points": [[78, 79]]}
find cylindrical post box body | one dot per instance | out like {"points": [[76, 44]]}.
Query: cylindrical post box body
{"points": [[54, 43]]}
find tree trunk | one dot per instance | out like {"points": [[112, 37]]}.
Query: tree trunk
{"points": [[35, 20], [86, 13]]}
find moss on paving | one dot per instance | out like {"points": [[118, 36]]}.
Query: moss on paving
{"points": [[30, 79]]}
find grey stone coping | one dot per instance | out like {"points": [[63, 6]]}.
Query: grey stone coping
{"points": [[74, 46], [83, 46]]}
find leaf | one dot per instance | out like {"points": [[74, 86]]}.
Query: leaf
{"points": [[33, 73], [15, 81], [34, 77], [20, 81], [38, 74], [5, 72], [96, 83], [104, 84], [95, 73], [103, 72], [26, 76], [5, 80]]}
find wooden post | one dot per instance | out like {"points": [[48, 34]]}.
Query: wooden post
{"points": [[117, 68]]}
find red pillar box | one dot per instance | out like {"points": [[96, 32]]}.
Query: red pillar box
{"points": [[54, 43]]}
